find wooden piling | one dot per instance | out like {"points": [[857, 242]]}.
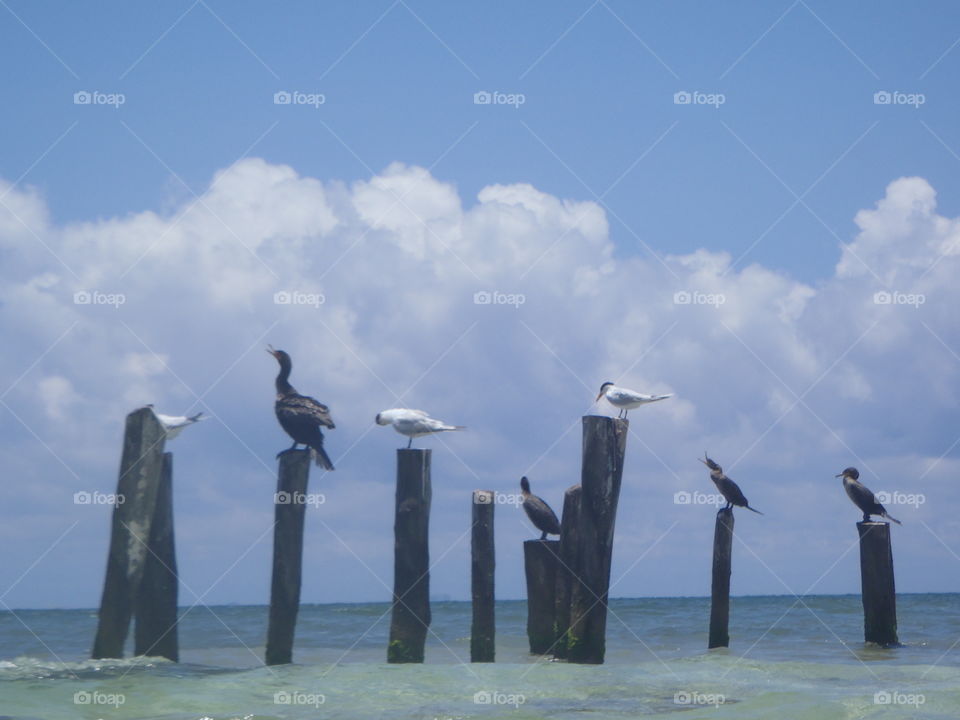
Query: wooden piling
{"points": [[540, 559], [289, 510], [482, 563], [137, 486], [877, 584], [155, 626], [411, 558], [720, 585], [604, 445], [566, 568]]}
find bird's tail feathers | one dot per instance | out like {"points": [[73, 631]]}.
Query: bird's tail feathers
{"points": [[754, 509], [454, 427], [321, 458], [196, 418], [888, 516]]}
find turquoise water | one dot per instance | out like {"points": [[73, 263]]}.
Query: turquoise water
{"points": [[787, 660]]}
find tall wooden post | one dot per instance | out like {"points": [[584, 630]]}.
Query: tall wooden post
{"points": [[133, 515], [877, 584], [604, 445], [482, 564], [411, 558], [720, 585], [155, 627], [567, 567], [540, 559], [289, 509]]}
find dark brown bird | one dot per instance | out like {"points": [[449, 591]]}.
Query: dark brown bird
{"points": [[540, 514], [299, 415], [728, 488], [862, 496]]}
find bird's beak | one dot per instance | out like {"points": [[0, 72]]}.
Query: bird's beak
{"points": [[703, 461], [599, 395], [839, 475], [271, 350]]}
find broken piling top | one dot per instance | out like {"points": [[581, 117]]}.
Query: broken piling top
{"points": [[141, 464], [482, 566], [877, 584]]}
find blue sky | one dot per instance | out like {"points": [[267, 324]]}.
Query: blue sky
{"points": [[398, 197]]}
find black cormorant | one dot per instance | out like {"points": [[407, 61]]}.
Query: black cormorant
{"points": [[728, 488], [862, 496], [540, 514], [300, 416]]}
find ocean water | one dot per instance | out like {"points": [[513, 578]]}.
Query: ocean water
{"points": [[788, 659]]}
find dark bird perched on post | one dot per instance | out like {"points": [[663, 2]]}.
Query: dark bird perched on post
{"points": [[300, 416], [540, 514], [862, 496], [728, 488]]}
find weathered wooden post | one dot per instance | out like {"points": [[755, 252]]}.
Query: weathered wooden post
{"points": [[133, 514], [411, 558], [567, 566], [720, 585], [155, 625], [482, 563], [604, 445], [540, 559], [877, 584], [289, 509]]}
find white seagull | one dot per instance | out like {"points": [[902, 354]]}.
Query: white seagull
{"points": [[625, 399], [413, 423], [174, 424]]}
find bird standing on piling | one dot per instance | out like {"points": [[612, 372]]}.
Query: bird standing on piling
{"points": [[174, 424], [862, 496], [413, 423], [300, 416], [625, 399], [728, 488], [540, 514]]}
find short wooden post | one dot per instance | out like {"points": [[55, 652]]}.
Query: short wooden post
{"points": [[604, 445], [411, 558], [155, 626], [877, 584], [541, 558], [289, 510], [720, 585], [133, 514], [482, 563], [566, 570]]}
